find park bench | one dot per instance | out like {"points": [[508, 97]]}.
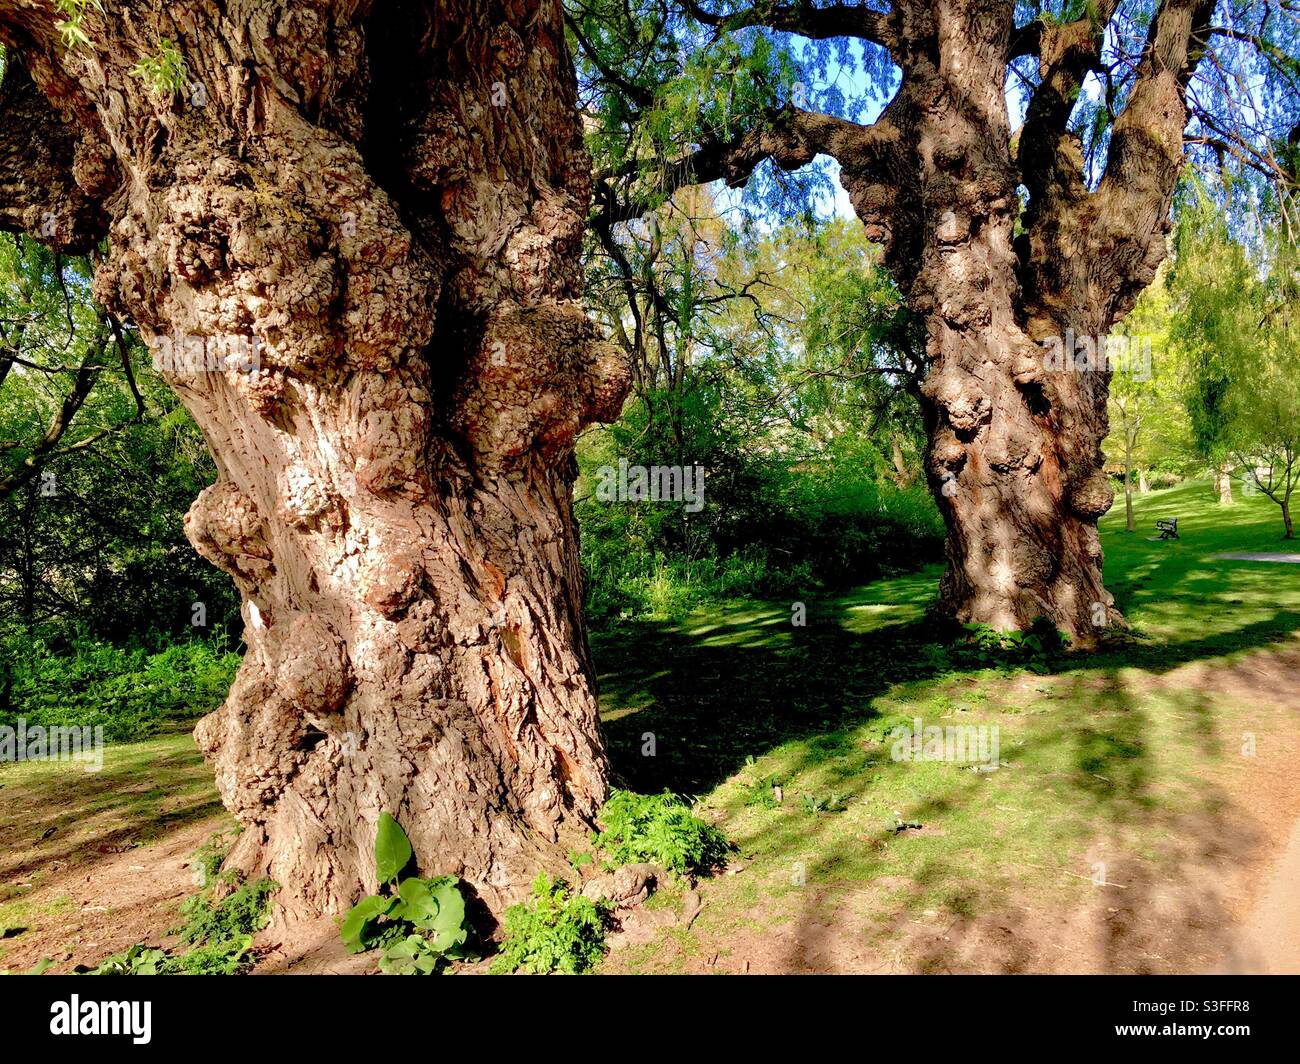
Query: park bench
{"points": [[1168, 529]]}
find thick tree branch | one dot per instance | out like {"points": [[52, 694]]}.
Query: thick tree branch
{"points": [[38, 152], [791, 138], [1146, 155], [1048, 154], [819, 23], [1092, 253]]}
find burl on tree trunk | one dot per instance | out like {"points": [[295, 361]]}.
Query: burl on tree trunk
{"points": [[380, 204], [1014, 403]]}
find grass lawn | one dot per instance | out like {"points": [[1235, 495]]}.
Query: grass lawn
{"points": [[1137, 794], [1123, 768]]}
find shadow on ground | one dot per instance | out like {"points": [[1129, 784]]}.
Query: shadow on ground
{"points": [[722, 688]]}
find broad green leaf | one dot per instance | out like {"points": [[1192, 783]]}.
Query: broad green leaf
{"points": [[418, 905], [392, 849], [360, 924], [449, 920], [410, 956]]}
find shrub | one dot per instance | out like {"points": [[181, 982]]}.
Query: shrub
{"points": [[130, 691], [553, 931], [658, 828]]}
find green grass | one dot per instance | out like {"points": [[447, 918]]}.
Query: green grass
{"points": [[1102, 752], [57, 813], [1106, 754]]}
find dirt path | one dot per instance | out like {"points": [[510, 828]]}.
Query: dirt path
{"points": [[1268, 941]]}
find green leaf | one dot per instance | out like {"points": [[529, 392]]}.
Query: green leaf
{"points": [[361, 925], [450, 919], [392, 849], [417, 904], [410, 956]]}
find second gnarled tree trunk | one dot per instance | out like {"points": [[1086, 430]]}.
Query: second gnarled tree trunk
{"points": [[382, 208], [1016, 303]]}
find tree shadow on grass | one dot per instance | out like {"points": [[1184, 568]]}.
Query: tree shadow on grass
{"points": [[707, 701], [714, 695], [60, 814]]}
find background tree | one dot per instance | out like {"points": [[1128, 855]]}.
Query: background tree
{"points": [[1148, 419], [1238, 328], [1019, 179]]}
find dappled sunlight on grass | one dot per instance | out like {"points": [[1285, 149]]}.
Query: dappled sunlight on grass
{"points": [[1108, 760], [52, 812]]}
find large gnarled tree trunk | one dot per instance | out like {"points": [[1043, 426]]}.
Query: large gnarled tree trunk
{"points": [[387, 199], [1015, 424]]}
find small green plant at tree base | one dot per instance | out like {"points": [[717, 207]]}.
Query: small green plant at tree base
{"points": [[165, 71], [418, 923], [1035, 649], [553, 931], [219, 930], [658, 828], [241, 913]]}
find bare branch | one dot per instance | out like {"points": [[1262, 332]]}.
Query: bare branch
{"points": [[820, 23]]}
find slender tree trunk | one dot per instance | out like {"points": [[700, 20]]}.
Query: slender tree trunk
{"points": [[1286, 518], [1223, 483], [902, 475], [28, 574], [385, 208], [1129, 524]]}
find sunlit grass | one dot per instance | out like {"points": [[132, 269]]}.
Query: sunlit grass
{"points": [[1102, 757]]}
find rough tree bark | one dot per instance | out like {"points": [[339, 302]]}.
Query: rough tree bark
{"points": [[388, 199], [1014, 454]]}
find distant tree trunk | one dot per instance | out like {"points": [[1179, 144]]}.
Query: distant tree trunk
{"points": [[1286, 518], [1130, 433], [389, 205], [1014, 441], [27, 575], [1223, 483], [903, 476]]}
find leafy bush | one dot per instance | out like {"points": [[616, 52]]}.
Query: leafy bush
{"points": [[130, 691], [421, 926], [242, 912], [554, 931], [658, 828], [1035, 649], [770, 527]]}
